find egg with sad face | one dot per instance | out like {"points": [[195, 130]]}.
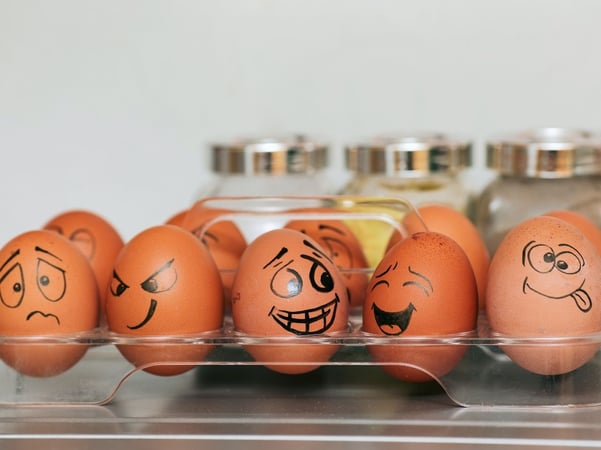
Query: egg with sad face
{"points": [[47, 287]]}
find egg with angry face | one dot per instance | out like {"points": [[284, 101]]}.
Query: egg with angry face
{"points": [[424, 286], [47, 287], [165, 283], [287, 285]]}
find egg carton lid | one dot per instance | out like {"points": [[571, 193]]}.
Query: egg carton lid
{"points": [[296, 154], [546, 153], [409, 155]]}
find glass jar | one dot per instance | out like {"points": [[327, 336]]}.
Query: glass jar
{"points": [[539, 171], [268, 166], [421, 168]]}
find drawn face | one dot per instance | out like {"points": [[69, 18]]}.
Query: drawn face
{"points": [[423, 286], [46, 284], [409, 285], [343, 248], [164, 281], [159, 282], [543, 262], [296, 287]]}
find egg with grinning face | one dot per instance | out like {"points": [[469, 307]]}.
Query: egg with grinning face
{"points": [[287, 285]]}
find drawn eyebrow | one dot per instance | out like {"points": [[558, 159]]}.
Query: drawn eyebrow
{"points": [[40, 249], [323, 226], [388, 269], [418, 284], [281, 253], [15, 253], [316, 251]]}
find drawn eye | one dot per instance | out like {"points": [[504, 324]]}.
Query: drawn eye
{"points": [[162, 280], [568, 262], [320, 277], [51, 280], [286, 282], [541, 258], [118, 287], [12, 287]]}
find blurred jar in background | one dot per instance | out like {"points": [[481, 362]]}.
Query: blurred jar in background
{"points": [[538, 171], [269, 166], [421, 168]]}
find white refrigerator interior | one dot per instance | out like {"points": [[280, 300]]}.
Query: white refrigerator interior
{"points": [[110, 106]]}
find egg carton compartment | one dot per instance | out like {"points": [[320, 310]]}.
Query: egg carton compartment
{"points": [[483, 376], [473, 368]]}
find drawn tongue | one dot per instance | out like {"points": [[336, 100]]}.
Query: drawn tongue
{"points": [[582, 300]]}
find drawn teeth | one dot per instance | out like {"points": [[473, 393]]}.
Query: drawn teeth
{"points": [[309, 321]]}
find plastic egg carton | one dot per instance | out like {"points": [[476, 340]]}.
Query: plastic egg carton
{"points": [[484, 375]]}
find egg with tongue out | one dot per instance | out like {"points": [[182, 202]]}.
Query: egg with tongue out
{"points": [[287, 288]]}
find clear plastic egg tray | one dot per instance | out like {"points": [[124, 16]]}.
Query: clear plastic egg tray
{"points": [[484, 376]]}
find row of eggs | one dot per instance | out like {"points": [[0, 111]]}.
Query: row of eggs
{"points": [[291, 281]]}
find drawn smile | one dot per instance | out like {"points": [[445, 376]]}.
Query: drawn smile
{"points": [[580, 296], [43, 314], [308, 321], [393, 323], [149, 314]]}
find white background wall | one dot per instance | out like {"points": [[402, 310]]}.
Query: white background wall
{"points": [[108, 105]]}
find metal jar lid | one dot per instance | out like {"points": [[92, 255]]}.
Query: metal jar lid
{"points": [[409, 155], [546, 153], [295, 155]]}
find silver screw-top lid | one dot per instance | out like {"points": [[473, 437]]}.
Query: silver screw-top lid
{"points": [[410, 155], [295, 155], [546, 153]]}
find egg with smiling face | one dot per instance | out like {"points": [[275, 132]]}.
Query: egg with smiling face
{"points": [[164, 283], [424, 286], [287, 286], [47, 287], [544, 282]]}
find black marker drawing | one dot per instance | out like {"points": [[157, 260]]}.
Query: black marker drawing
{"points": [[288, 282], [543, 259], [394, 323], [162, 280]]}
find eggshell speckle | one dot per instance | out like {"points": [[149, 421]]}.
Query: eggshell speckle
{"points": [[287, 285], [424, 286], [47, 287], [165, 283], [544, 282]]}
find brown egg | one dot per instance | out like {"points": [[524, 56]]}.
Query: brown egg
{"points": [[287, 285], [164, 283], [424, 286], [583, 223], [47, 287], [341, 245], [98, 240], [177, 218], [223, 239], [544, 283], [450, 222]]}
